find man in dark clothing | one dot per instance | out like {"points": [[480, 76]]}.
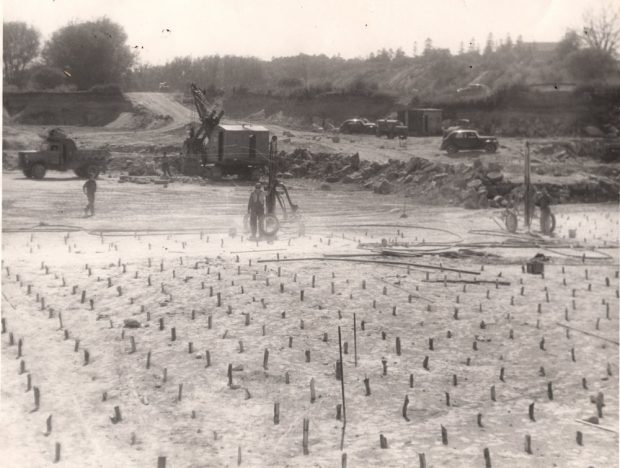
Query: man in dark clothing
{"points": [[256, 209], [165, 166], [89, 188]]}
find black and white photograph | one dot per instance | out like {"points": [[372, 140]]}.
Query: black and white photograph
{"points": [[310, 233]]}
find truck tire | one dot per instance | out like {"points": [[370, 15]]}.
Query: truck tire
{"points": [[547, 223], [271, 225], [27, 173], [95, 170], [511, 222], [80, 172], [490, 147], [38, 171]]}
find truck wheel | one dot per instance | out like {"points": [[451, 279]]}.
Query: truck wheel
{"points": [[511, 222], [38, 171], [490, 147], [547, 223], [270, 225], [451, 149], [80, 172], [27, 173], [92, 170]]}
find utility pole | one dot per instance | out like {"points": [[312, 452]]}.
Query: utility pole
{"points": [[527, 184]]}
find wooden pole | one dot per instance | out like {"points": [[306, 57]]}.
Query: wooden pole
{"points": [[344, 412], [355, 338]]}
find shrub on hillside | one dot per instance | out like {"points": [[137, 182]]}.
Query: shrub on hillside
{"points": [[46, 78], [109, 88]]}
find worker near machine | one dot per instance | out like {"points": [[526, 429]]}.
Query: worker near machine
{"points": [[89, 188], [543, 201], [165, 166], [256, 210]]}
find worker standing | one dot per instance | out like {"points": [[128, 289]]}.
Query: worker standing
{"points": [[256, 210], [165, 166], [89, 188]]}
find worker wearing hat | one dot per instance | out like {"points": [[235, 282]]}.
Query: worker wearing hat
{"points": [[256, 210]]}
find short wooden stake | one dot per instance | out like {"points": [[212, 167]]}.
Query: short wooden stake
{"points": [[57, 452], [444, 435], [276, 413], [487, 458], [405, 404], [312, 391], [528, 444], [306, 428], [367, 385]]}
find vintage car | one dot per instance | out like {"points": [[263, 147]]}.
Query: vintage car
{"points": [[358, 126], [460, 140]]}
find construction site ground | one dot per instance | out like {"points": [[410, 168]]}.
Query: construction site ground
{"points": [[160, 306]]}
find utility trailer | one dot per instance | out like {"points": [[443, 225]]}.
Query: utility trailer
{"points": [[58, 152]]}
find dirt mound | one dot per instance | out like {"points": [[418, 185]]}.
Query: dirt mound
{"points": [[140, 118]]}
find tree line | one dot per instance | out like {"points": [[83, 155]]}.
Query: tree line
{"points": [[83, 55]]}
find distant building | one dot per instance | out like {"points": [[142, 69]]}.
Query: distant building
{"points": [[421, 122]]}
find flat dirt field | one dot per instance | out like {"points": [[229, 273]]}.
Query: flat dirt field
{"points": [[148, 331]]}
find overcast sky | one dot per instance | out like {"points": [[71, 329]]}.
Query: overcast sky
{"points": [[273, 28]]}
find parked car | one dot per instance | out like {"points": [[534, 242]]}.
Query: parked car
{"points": [[391, 127], [358, 126], [468, 140]]}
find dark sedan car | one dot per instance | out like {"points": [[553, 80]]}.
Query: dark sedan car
{"points": [[358, 126], [459, 140]]}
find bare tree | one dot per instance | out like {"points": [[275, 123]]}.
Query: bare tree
{"points": [[601, 30]]}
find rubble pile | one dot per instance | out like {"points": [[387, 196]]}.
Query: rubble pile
{"points": [[472, 186]]}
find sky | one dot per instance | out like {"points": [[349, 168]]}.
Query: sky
{"points": [[162, 30]]}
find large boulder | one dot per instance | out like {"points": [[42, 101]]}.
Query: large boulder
{"points": [[495, 176], [353, 178], [474, 184], [382, 187]]}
